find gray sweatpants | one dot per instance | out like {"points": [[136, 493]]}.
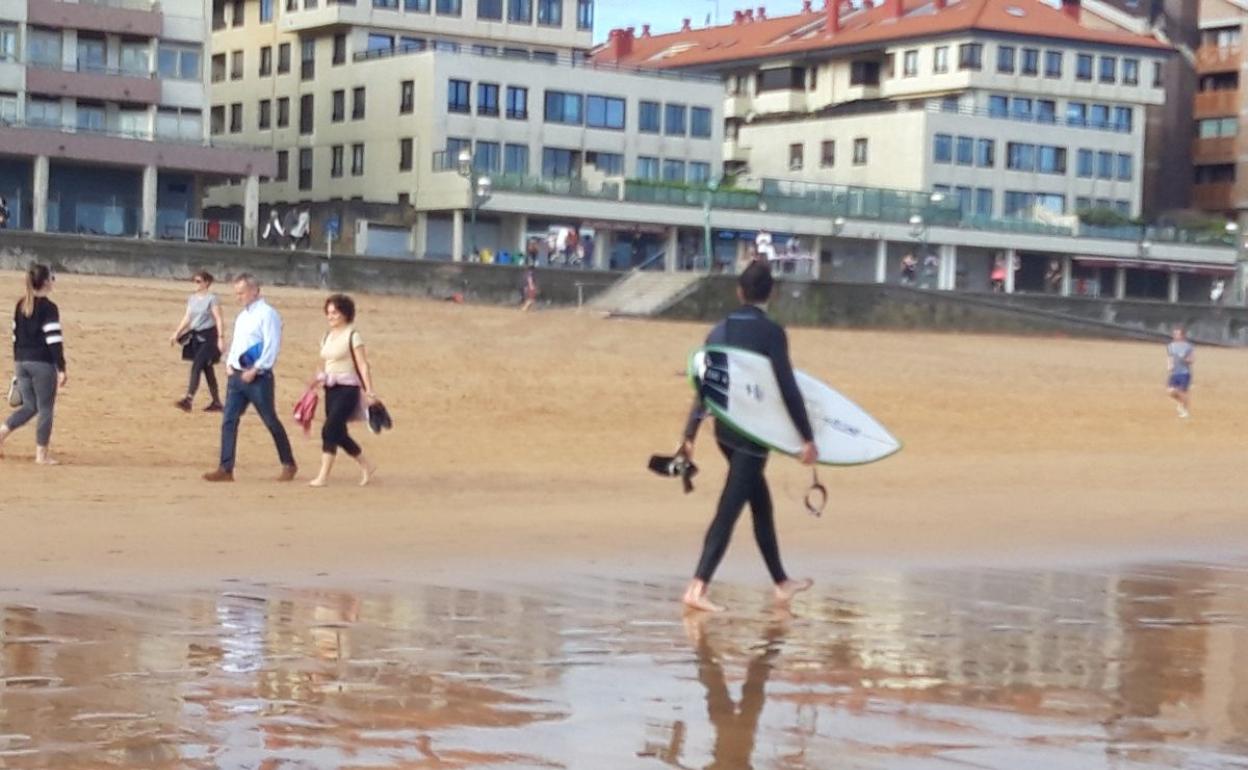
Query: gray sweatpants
{"points": [[37, 382]]}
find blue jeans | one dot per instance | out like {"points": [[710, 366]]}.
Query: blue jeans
{"points": [[259, 392]]}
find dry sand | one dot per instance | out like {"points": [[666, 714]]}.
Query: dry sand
{"points": [[520, 443]]}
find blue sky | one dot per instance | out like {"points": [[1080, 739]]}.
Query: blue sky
{"points": [[665, 15]]}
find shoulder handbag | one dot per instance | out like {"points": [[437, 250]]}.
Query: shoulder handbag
{"points": [[378, 415], [15, 394]]}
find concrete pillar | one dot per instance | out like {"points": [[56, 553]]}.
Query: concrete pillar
{"points": [[1172, 287], [457, 235], [522, 233], [817, 249], [1068, 276], [251, 209], [881, 261], [420, 235], [948, 277], [147, 219], [40, 194], [1011, 257], [1120, 283], [604, 241], [672, 251]]}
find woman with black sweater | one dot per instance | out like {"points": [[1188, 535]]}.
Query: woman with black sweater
{"points": [[39, 359]]}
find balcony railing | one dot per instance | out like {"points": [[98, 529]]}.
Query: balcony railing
{"points": [[1217, 104], [1213, 58], [87, 68], [1214, 196], [1032, 117], [117, 133], [1214, 149]]}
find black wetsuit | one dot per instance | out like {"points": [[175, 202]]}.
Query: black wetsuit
{"points": [[751, 329]]}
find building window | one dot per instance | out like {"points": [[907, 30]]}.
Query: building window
{"points": [[305, 114], [1051, 160], [827, 154], [8, 42], [699, 173], [283, 165], [1130, 72], [1021, 108], [674, 119], [1125, 167], [782, 79], [236, 118], [940, 59], [585, 14], [1020, 156], [458, 96], [379, 42], [1084, 165], [516, 159], [520, 10], [647, 168], [265, 119], [604, 112], [986, 153], [860, 151], [357, 103], [487, 99], [1031, 61], [417, 6], [550, 13], [971, 56], [796, 156], [673, 170], [266, 11], [218, 67], [236, 65], [517, 102], [1109, 69], [1123, 119], [283, 59], [1005, 59], [998, 106], [1099, 116], [176, 62], [405, 154], [1046, 111], [450, 7], [700, 122], [283, 111], [407, 97], [648, 117], [942, 148], [966, 151], [357, 160], [1076, 114], [307, 59], [340, 49], [47, 112], [409, 44], [486, 157], [1083, 67], [266, 61], [563, 107], [864, 73], [338, 112], [173, 123], [983, 201], [910, 63], [336, 163], [305, 168], [490, 9], [1105, 165], [1053, 64], [1212, 128], [1159, 78], [558, 163]]}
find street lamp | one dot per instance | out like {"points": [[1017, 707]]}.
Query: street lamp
{"points": [[1241, 266], [838, 225], [479, 187], [707, 251]]}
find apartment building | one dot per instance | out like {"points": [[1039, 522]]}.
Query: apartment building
{"points": [[1011, 107], [102, 117], [367, 107], [1218, 152]]}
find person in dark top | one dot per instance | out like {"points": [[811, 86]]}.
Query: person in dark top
{"points": [[748, 327], [39, 358]]}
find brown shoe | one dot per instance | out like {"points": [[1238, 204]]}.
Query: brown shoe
{"points": [[288, 473], [183, 403], [220, 474]]}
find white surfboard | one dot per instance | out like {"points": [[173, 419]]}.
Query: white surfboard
{"points": [[739, 387]]}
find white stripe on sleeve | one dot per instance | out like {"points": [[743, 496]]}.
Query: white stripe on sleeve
{"points": [[53, 326], [54, 339]]}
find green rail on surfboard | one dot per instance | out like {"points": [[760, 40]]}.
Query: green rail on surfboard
{"points": [[739, 387]]}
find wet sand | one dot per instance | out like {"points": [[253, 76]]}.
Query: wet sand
{"points": [[520, 443]]}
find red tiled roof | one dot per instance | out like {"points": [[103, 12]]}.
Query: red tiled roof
{"points": [[809, 31]]}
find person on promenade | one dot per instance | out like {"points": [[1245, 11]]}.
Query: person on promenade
{"points": [[909, 269], [748, 327], [346, 375], [529, 289], [201, 331], [4, 213], [39, 361], [253, 353], [1179, 353]]}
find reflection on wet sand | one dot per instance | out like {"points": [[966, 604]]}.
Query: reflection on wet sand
{"points": [[1126, 669]]}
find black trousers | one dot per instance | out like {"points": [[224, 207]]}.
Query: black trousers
{"points": [[341, 404], [206, 354], [745, 483]]}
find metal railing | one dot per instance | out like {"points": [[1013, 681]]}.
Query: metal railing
{"points": [[1045, 119], [213, 231], [92, 69], [145, 135]]}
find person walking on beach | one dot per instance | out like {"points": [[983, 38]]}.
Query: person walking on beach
{"points": [[253, 353], [748, 327], [39, 361], [346, 375], [200, 330], [1179, 353], [528, 289]]}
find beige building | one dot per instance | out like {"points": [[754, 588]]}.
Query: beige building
{"points": [[103, 109]]}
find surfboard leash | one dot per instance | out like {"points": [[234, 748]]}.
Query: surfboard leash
{"points": [[816, 496]]}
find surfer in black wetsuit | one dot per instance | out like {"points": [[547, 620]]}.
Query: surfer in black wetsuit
{"points": [[748, 327]]}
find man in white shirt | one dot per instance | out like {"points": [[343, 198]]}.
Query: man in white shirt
{"points": [[253, 353]]}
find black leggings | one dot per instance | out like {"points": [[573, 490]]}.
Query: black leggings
{"points": [[341, 404], [206, 353], [745, 483]]}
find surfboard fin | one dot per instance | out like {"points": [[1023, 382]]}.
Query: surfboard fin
{"points": [[675, 465]]}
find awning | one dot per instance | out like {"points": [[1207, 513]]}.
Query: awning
{"points": [[1196, 268]]}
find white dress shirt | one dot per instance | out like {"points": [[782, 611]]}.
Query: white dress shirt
{"points": [[258, 328]]}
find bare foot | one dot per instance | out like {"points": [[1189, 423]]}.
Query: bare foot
{"points": [[318, 482], [788, 589], [696, 599], [366, 473], [47, 461]]}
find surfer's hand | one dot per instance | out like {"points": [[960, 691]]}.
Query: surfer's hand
{"points": [[809, 453]]}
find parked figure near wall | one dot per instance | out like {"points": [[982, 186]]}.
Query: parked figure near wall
{"points": [[997, 277], [273, 233], [528, 289], [530, 253], [909, 268], [1217, 290], [931, 269], [1053, 277], [301, 233]]}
